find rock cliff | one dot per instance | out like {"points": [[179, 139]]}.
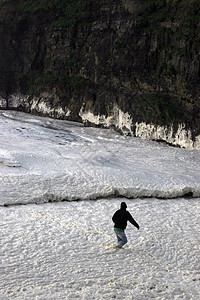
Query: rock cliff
{"points": [[128, 64]]}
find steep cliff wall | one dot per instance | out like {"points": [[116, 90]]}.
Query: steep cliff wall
{"points": [[129, 64]]}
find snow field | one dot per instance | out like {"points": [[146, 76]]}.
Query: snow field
{"points": [[65, 251], [44, 160]]}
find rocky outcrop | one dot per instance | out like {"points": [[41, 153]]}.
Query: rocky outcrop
{"points": [[125, 64]]}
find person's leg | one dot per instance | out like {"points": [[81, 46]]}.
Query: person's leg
{"points": [[118, 237], [121, 238]]}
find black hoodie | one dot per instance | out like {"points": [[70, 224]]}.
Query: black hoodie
{"points": [[121, 217]]}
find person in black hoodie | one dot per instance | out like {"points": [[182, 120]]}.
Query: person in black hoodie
{"points": [[120, 219]]}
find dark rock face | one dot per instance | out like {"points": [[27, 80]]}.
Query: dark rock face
{"points": [[119, 63]]}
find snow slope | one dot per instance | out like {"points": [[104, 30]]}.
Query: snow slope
{"points": [[64, 250], [44, 160]]}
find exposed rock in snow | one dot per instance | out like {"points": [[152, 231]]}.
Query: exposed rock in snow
{"points": [[3, 102], [181, 137], [17, 101], [122, 121], [43, 107]]}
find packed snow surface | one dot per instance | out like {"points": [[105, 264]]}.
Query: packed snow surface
{"points": [[64, 250], [44, 160]]}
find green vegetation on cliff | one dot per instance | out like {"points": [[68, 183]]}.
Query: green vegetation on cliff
{"points": [[30, 83]]}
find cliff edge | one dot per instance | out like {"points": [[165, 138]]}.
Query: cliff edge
{"points": [[128, 64]]}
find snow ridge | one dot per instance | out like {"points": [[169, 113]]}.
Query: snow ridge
{"points": [[111, 193]]}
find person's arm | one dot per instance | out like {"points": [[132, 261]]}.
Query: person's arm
{"points": [[132, 221]]}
